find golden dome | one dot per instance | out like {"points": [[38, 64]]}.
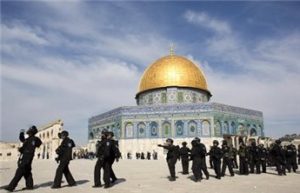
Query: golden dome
{"points": [[171, 71]]}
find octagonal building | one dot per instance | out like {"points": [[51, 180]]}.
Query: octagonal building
{"points": [[173, 101]]}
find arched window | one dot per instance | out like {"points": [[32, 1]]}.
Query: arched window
{"points": [[218, 128], [166, 129], [205, 128], [91, 135], [253, 132], [226, 128], [192, 125], [179, 128], [129, 130], [233, 128], [241, 129], [141, 129], [154, 129]]}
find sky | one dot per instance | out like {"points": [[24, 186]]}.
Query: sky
{"points": [[73, 60]]}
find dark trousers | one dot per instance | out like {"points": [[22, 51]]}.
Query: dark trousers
{"points": [[255, 163], [211, 162], [280, 166], [23, 170], [263, 163], [291, 164], [171, 164], [63, 168], [97, 172], [217, 167], [234, 162], [112, 173], [203, 167], [185, 165], [244, 168], [227, 163], [107, 174], [196, 168]]}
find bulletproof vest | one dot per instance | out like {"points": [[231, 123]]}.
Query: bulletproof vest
{"points": [[226, 151], [216, 153], [242, 152], [29, 145], [65, 149], [184, 151], [173, 152]]}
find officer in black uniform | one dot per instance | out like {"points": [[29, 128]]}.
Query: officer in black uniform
{"points": [[114, 155], [227, 161], [278, 157], [210, 159], [203, 154], [263, 156], [25, 160], [244, 159], [184, 156], [299, 154], [254, 158], [216, 154], [100, 149], [234, 156], [64, 152], [291, 154], [196, 158], [172, 156]]}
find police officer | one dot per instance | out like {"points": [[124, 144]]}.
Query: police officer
{"points": [[234, 156], [278, 157], [114, 155], [227, 161], [254, 158], [263, 156], [100, 148], [196, 160], [25, 160], [203, 154], [172, 156], [184, 156], [244, 156], [216, 154], [64, 152], [291, 154]]}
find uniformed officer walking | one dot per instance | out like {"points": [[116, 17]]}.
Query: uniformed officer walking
{"points": [[25, 160], [216, 154], [227, 160], [263, 156], [114, 155], [184, 156], [196, 160], [64, 152], [278, 157], [172, 156], [100, 150], [244, 159], [254, 158]]}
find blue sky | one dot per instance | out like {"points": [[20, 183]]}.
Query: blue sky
{"points": [[73, 60]]}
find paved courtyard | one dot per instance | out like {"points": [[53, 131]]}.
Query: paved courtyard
{"points": [[143, 176]]}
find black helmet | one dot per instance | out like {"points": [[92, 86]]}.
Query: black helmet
{"points": [[64, 133], [278, 141], [169, 140], [32, 130], [110, 133], [253, 143], [197, 139], [224, 142], [184, 143], [216, 142]]}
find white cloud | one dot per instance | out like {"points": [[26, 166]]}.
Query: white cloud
{"points": [[206, 21]]}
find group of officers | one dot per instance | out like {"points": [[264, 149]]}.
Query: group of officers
{"points": [[107, 153], [252, 158]]}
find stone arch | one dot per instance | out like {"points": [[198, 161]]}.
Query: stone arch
{"points": [[179, 128], [205, 128], [253, 132]]}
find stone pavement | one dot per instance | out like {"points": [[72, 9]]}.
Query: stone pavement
{"points": [[143, 176]]}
